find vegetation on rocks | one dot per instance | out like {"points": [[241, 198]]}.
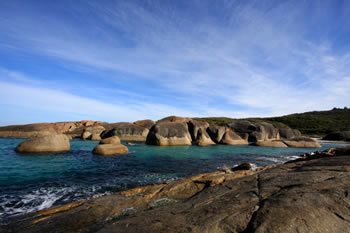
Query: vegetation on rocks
{"points": [[316, 123]]}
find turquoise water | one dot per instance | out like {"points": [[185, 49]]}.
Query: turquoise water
{"points": [[33, 182]]}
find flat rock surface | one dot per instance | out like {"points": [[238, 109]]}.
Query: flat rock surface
{"points": [[308, 195]]}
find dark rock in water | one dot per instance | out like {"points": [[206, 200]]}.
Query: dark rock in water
{"points": [[169, 134], [242, 166], [302, 196], [288, 133], [216, 133], [46, 143], [127, 131], [338, 136]]}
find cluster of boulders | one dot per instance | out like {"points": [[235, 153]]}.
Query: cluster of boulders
{"points": [[178, 131], [52, 143], [92, 133], [185, 131]]}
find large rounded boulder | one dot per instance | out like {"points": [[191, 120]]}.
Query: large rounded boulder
{"points": [[110, 140], [169, 134], [288, 133], [46, 143], [145, 123], [110, 149], [202, 138], [231, 138], [194, 126], [255, 132], [216, 133], [127, 131]]}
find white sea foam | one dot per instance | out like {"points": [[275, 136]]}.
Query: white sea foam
{"points": [[293, 157], [254, 166], [43, 198]]}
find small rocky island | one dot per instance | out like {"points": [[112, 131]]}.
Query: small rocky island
{"points": [[310, 194]]}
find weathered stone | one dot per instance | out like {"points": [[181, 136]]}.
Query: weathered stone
{"points": [[261, 131], [175, 119], [110, 140], [127, 131], [231, 138], [202, 138], [95, 137], [288, 133], [47, 143], [169, 134], [304, 142], [194, 126], [216, 133], [32, 130], [110, 149], [303, 196], [86, 135], [145, 123]]}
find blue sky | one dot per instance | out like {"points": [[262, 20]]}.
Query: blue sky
{"points": [[128, 60]]}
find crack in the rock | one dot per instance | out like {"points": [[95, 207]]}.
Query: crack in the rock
{"points": [[341, 217], [249, 227]]}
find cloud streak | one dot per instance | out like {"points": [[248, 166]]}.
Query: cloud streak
{"points": [[255, 58]]}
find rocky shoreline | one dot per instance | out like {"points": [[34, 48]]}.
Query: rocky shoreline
{"points": [[310, 194]]}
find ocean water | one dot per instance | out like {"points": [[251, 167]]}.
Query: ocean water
{"points": [[33, 182]]}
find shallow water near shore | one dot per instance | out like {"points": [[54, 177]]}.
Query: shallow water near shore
{"points": [[33, 182]]}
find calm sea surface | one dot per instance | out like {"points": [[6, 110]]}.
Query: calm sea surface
{"points": [[33, 182]]}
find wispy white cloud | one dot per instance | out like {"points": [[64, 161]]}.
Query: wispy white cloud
{"points": [[257, 59], [60, 102]]}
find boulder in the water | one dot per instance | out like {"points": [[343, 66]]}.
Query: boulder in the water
{"points": [[95, 137], [169, 134], [46, 143], [231, 138], [110, 149], [216, 133], [110, 140], [202, 138]]}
